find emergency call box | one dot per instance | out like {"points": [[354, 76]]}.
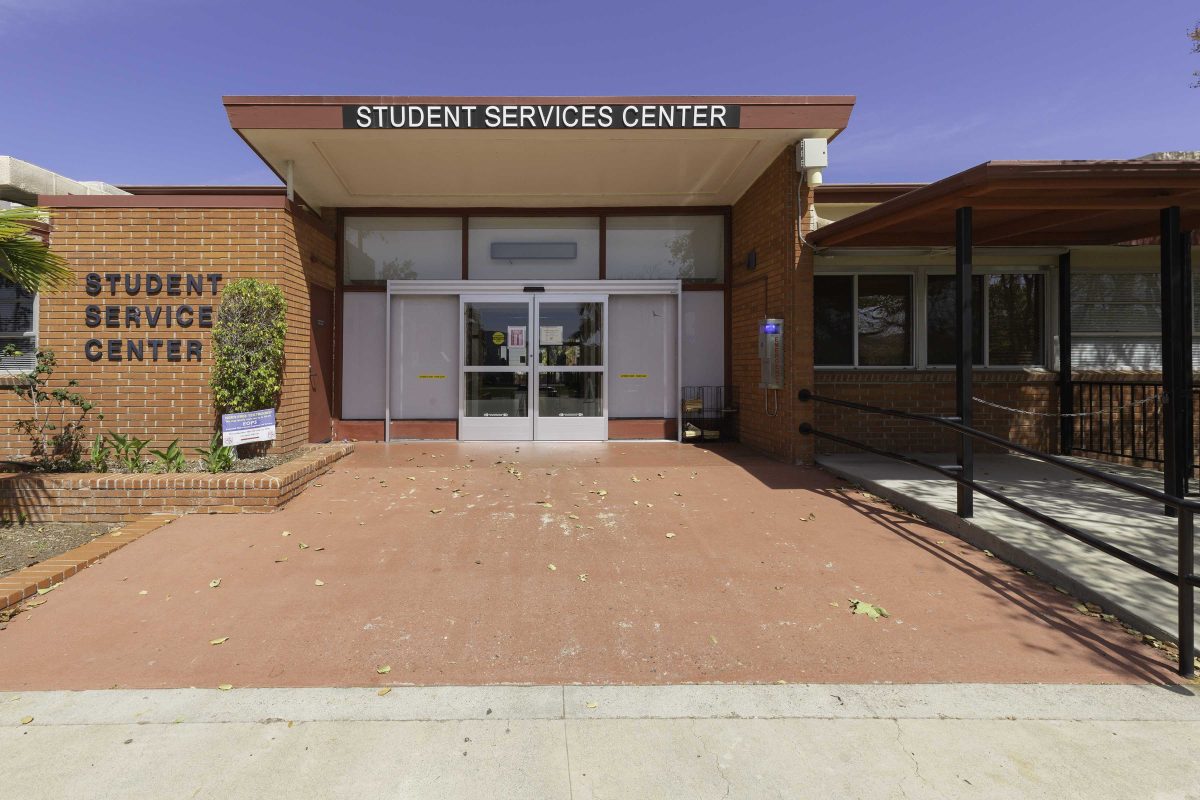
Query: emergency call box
{"points": [[770, 353]]}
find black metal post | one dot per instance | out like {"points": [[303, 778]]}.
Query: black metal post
{"points": [[1066, 390], [1187, 312], [1175, 319], [964, 360], [1187, 594]]}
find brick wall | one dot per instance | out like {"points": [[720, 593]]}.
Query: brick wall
{"points": [[932, 392], [765, 221], [164, 399]]}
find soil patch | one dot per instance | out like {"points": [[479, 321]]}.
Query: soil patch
{"points": [[23, 545]]}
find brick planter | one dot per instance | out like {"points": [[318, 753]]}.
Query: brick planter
{"points": [[92, 497]]}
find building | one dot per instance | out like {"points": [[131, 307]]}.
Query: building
{"points": [[573, 268]]}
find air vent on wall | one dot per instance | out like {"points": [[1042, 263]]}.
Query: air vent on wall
{"points": [[511, 251]]}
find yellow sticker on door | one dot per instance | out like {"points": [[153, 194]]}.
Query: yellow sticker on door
{"points": [[634, 375], [497, 338]]}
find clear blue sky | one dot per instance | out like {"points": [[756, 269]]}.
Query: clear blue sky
{"points": [[129, 91]]}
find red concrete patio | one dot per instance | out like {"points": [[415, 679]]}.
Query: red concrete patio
{"points": [[436, 560]]}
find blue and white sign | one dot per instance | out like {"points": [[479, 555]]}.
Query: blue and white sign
{"points": [[248, 426]]}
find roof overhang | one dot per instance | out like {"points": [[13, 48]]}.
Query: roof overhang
{"points": [[1030, 203], [527, 151]]}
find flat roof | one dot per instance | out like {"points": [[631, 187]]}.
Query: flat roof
{"points": [[1038, 203], [522, 151]]}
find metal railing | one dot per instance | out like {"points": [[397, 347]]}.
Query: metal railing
{"points": [[1122, 419], [1183, 578]]}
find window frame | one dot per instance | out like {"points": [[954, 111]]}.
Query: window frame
{"points": [[33, 333], [915, 329], [920, 347]]}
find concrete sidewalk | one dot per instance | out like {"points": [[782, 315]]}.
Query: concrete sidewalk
{"points": [[751, 741], [1129, 522]]}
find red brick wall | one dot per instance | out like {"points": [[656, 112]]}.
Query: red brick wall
{"points": [[932, 392], [163, 400], [765, 220]]}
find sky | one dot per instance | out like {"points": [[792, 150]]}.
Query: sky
{"points": [[129, 91]]}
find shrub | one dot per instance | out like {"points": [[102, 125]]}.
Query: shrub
{"points": [[101, 452], [128, 451], [216, 457], [171, 459], [247, 373], [56, 429]]}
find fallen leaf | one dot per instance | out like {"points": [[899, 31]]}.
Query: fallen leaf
{"points": [[635, 479], [222, 640], [214, 583], [225, 687], [26, 720], [35, 603], [411, 477], [583, 576], [281, 560], [319, 582], [436, 510], [713, 638], [551, 567], [670, 535], [143, 591], [51, 588], [384, 691], [863, 607], [572, 516], [545, 504], [384, 670], [593, 704], [318, 549], [601, 492], [303, 546], [286, 533]]}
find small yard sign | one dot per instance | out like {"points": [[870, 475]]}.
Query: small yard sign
{"points": [[248, 426]]}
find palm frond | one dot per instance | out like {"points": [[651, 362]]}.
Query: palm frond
{"points": [[26, 260]]}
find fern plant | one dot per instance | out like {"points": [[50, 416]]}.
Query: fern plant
{"points": [[26, 260]]}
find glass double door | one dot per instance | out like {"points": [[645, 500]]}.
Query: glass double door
{"points": [[533, 367]]}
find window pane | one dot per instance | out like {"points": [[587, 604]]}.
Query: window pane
{"points": [[833, 310], [688, 248], [495, 334], [884, 320], [569, 334], [570, 394], [534, 248], [1015, 320], [941, 341], [496, 394], [378, 249]]}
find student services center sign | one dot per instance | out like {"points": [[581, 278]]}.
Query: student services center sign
{"points": [[542, 117]]}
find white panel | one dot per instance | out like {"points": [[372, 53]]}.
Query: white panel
{"points": [[641, 341], [703, 338], [584, 232], [363, 354], [424, 357]]}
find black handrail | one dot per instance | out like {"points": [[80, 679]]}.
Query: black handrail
{"points": [[1183, 578], [1112, 480]]}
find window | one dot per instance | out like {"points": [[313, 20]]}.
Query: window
{"points": [[863, 320], [1116, 322], [1009, 334], [680, 247], [379, 249], [18, 325]]}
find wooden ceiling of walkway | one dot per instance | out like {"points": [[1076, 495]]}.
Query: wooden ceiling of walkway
{"points": [[1030, 203]]}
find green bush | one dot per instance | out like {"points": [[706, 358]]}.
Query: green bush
{"points": [[171, 459], [247, 373], [216, 457]]}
